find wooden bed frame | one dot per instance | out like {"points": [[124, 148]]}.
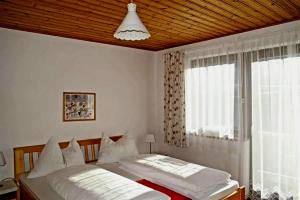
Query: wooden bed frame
{"points": [[24, 193]]}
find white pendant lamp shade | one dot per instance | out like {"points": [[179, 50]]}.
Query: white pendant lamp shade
{"points": [[132, 27]]}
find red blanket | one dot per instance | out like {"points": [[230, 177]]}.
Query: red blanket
{"points": [[170, 193]]}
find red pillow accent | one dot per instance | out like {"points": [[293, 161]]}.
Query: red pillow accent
{"points": [[170, 193]]}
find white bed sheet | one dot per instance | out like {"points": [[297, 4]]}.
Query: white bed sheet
{"points": [[212, 193], [42, 190], [95, 183], [39, 188], [218, 192], [177, 172]]}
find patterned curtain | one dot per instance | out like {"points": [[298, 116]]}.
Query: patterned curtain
{"points": [[174, 103]]}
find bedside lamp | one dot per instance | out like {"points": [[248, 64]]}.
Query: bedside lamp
{"points": [[150, 139], [2, 161]]}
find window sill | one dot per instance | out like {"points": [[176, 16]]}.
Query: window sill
{"points": [[212, 137]]}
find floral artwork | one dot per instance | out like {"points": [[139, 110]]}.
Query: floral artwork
{"points": [[79, 106]]}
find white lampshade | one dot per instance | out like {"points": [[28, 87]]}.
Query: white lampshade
{"points": [[2, 159], [132, 27], [150, 138]]}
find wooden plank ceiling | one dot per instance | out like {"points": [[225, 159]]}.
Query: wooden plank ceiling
{"points": [[170, 22]]}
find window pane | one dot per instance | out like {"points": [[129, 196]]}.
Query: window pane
{"points": [[210, 100]]}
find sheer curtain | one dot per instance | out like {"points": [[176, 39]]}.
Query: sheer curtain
{"points": [[276, 122], [210, 96], [254, 99], [215, 82]]}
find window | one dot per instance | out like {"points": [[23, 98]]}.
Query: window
{"points": [[210, 96], [252, 95]]}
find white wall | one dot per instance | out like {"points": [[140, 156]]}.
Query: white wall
{"points": [[36, 69]]}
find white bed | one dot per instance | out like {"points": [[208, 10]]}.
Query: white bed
{"points": [[50, 188], [91, 182], [39, 188], [42, 190], [192, 180], [213, 193]]}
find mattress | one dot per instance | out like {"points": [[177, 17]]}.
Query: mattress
{"points": [[212, 193], [219, 191], [42, 190], [95, 183], [39, 188]]}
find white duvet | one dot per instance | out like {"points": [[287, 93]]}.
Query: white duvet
{"points": [[175, 172], [95, 183]]}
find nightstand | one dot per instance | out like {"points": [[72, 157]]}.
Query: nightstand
{"points": [[8, 190]]}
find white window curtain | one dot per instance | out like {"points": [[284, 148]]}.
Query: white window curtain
{"points": [[214, 81], [276, 122], [261, 113], [210, 96]]}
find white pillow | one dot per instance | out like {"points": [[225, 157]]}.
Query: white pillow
{"points": [[50, 160], [72, 154], [111, 151]]}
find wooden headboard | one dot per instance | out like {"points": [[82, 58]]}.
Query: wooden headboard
{"points": [[26, 154]]}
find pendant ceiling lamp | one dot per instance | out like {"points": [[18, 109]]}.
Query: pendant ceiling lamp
{"points": [[132, 27]]}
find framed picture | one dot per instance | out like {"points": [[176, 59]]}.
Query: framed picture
{"points": [[79, 106]]}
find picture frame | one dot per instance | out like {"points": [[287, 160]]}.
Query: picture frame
{"points": [[79, 106]]}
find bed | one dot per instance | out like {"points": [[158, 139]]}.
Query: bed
{"points": [[35, 189]]}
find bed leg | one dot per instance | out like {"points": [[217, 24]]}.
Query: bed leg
{"points": [[242, 193], [18, 194]]}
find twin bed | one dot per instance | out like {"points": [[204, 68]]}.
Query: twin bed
{"points": [[154, 168]]}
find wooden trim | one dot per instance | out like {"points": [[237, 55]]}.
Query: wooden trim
{"points": [[31, 160], [24, 193], [239, 194], [93, 152], [171, 23], [19, 167]]}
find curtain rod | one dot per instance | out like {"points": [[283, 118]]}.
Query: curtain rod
{"points": [[238, 44]]}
